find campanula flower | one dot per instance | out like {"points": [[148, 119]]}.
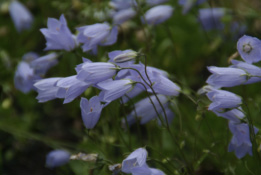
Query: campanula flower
{"points": [[30, 56], [188, 4], [240, 142], [122, 4], [25, 77], [96, 72], [158, 14], [234, 115], [131, 94], [249, 49], [226, 76], [91, 111], [123, 15], [136, 159], [155, 2], [223, 99], [42, 64], [58, 35], [210, 18], [111, 90], [252, 70], [57, 158], [21, 16], [96, 34]]}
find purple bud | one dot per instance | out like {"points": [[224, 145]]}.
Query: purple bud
{"points": [[158, 14], [57, 158], [123, 15]]}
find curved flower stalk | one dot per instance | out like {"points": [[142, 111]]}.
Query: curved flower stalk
{"points": [[58, 35], [57, 158], [21, 16], [96, 34], [158, 14]]}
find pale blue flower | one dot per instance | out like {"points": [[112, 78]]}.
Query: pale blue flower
{"points": [[91, 111], [233, 115], [123, 15], [158, 14], [21, 16], [57, 158], [249, 49], [210, 18], [226, 76], [123, 4], [58, 35], [42, 64], [155, 2], [188, 4]]}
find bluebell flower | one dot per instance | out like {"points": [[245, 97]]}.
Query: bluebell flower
{"points": [[234, 115], [226, 76], [73, 88], [112, 90], [252, 70], [237, 30], [30, 56], [158, 14], [123, 15], [240, 142], [58, 35], [155, 2], [21, 16], [131, 94], [25, 77], [123, 4], [91, 111], [42, 64], [96, 72], [223, 99], [136, 159], [249, 49], [57, 158], [210, 18], [97, 34], [188, 4]]}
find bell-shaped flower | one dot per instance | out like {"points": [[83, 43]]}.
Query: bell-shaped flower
{"points": [[96, 72], [57, 158], [252, 71], [234, 115], [96, 34], [249, 49], [25, 77], [21, 16], [210, 18], [240, 142], [226, 76], [58, 35], [123, 15], [223, 99], [131, 94], [136, 159], [91, 111], [155, 2], [42, 64], [122, 4], [158, 14], [30, 56], [112, 90], [188, 4]]}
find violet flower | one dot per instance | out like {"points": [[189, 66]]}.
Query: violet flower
{"points": [[42, 64], [155, 2], [96, 34], [210, 18], [158, 14], [226, 76], [123, 15], [57, 158], [249, 49], [58, 35], [21, 16], [188, 4], [91, 111]]}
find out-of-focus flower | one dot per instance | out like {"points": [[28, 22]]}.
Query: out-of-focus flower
{"points": [[226, 76], [249, 49], [252, 70], [158, 14], [21, 17], [111, 90], [210, 18], [155, 2], [97, 34], [25, 77], [29, 57], [237, 30], [57, 158], [96, 72], [233, 115], [123, 15], [91, 111], [42, 64], [122, 4], [240, 142], [223, 99], [58, 35], [188, 4]]}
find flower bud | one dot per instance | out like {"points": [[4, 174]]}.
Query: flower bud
{"points": [[125, 57]]}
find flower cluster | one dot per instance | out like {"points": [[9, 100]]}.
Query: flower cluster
{"points": [[227, 104]]}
